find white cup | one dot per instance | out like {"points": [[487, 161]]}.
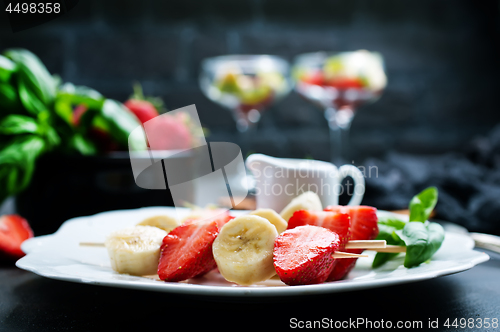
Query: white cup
{"points": [[279, 180]]}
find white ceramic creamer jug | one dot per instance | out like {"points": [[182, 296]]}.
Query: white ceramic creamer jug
{"points": [[279, 180]]}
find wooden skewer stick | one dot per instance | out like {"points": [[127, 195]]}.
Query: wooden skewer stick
{"points": [[354, 244], [335, 255], [340, 254], [92, 244], [391, 249], [366, 244]]}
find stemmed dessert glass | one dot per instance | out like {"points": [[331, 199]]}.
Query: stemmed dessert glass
{"points": [[338, 82], [245, 84]]}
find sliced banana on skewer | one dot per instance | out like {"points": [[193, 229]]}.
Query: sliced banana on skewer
{"points": [[243, 250], [273, 217], [167, 223], [306, 201], [135, 250]]}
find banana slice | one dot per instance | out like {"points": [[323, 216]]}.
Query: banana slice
{"points": [[243, 250], [135, 250], [166, 223], [273, 217], [306, 201]]}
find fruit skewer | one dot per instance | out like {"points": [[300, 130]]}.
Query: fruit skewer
{"points": [[377, 245], [336, 255]]}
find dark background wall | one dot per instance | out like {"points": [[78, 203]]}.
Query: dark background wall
{"points": [[442, 61]]}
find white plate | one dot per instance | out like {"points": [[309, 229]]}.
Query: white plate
{"points": [[59, 256]]}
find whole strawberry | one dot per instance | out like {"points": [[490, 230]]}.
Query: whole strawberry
{"points": [[14, 230], [144, 108], [168, 132]]}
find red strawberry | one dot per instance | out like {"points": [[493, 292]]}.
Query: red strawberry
{"points": [[78, 112], [363, 227], [142, 109], [13, 231], [336, 222], [168, 132], [313, 77], [345, 83], [186, 252], [303, 255]]}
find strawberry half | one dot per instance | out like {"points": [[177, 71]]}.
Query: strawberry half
{"points": [[334, 221], [363, 227], [303, 255], [142, 109], [168, 132], [186, 252], [13, 231]]}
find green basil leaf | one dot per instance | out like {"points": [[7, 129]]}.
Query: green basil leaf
{"points": [[18, 124], [17, 163], [36, 76], [64, 109], [385, 232], [388, 233], [422, 204], [29, 99], [7, 68], [81, 144], [9, 99], [51, 136], [381, 258], [422, 241], [77, 95], [393, 222], [120, 123]]}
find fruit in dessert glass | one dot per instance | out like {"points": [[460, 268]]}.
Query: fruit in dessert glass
{"points": [[338, 83], [245, 84]]}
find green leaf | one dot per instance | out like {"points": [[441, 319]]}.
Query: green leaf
{"points": [[120, 123], [29, 99], [77, 95], [17, 163], [51, 136], [81, 144], [9, 99], [392, 222], [36, 76], [18, 124], [422, 241], [387, 232], [64, 109], [422, 238], [69, 96], [381, 258], [422, 204], [7, 68]]}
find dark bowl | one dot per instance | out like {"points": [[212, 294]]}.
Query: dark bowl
{"points": [[65, 187]]}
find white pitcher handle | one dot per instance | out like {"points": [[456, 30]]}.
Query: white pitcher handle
{"points": [[359, 182]]}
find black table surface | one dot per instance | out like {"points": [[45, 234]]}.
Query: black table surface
{"points": [[29, 302]]}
